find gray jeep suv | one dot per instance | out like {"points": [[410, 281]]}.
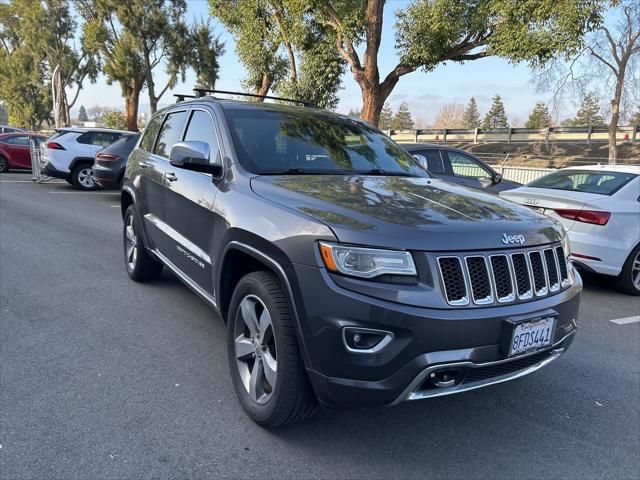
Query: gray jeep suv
{"points": [[345, 274]]}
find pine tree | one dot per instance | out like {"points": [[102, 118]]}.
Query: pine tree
{"points": [[355, 113], [402, 119], [496, 116], [82, 115], [471, 118], [539, 117], [386, 118], [589, 113]]}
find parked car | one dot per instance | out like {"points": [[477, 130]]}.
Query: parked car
{"points": [[69, 153], [15, 150], [458, 166], [343, 271], [8, 129], [109, 165], [600, 208]]}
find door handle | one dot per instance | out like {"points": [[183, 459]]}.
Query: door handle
{"points": [[170, 176], [144, 164]]}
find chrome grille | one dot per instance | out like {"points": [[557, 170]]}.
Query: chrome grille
{"points": [[502, 278]]}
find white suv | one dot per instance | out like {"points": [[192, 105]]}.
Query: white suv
{"points": [[69, 153]]}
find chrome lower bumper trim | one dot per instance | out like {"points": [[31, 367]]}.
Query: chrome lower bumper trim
{"points": [[410, 392]]}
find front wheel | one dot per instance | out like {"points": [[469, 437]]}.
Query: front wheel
{"points": [[82, 178], [629, 278], [140, 265], [264, 358], [4, 165]]}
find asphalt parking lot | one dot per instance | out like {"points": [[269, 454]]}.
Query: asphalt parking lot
{"points": [[101, 377]]}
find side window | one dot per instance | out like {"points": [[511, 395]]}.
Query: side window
{"points": [[21, 140], [103, 139], [202, 129], [85, 138], [434, 160], [465, 166], [170, 133], [150, 133]]}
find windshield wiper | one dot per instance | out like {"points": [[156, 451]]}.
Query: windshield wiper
{"points": [[386, 173]]}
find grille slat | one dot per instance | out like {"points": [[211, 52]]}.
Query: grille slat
{"points": [[503, 278], [479, 281]]}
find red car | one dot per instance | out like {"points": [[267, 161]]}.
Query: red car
{"points": [[14, 150]]}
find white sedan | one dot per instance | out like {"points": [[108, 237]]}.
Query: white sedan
{"points": [[599, 206]]}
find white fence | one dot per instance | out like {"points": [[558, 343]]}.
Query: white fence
{"points": [[521, 174]]}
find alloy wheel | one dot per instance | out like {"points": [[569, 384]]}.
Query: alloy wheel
{"points": [[255, 349], [132, 243], [85, 178], [635, 271]]}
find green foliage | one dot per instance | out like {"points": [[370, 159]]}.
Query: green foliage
{"points": [[82, 115], [402, 119], [534, 31], [386, 118], [496, 116], [114, 118], [471, 117], [539, 117], [355, 113], [589, 112], [203, 55]]}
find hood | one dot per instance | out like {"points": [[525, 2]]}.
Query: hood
{"points": [[408, 213]]}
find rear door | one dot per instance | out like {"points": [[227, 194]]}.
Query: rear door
{"points": [[189, 202], [431, 159]]}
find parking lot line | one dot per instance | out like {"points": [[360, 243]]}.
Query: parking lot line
{"points": [[626, 320]]}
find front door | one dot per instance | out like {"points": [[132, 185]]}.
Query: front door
{"points": [[465, 170], [189, 202]]}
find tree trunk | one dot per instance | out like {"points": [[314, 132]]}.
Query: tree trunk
{"points": [[131, 106], [615, 117], [372, 103], [265, 86]]}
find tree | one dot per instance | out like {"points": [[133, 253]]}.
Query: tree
{"points": [[204, 54], [539, 117], [635, 118], [589, 113], [82, 115], [4, 116], [471, 117], [114, 118], [95, 112], [283, 48], [386, 117], [402, 119], [355, 113], [616, 48], [451, 115], [430, 32], [496, 116]]}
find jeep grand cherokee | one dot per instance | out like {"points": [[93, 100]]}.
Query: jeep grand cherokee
{"points": [[345, 274]]}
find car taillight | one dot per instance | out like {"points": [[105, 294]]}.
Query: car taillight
{"points": [[54, 146], [106, 156], [586, 216]]}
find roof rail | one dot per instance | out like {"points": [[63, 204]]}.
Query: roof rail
{"points": [[181, 96], [200, 92]]}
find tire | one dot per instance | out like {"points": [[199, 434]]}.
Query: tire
{"points": [[629, 278], [81, 177], [4, 165], [141, 266], [270, 399]]}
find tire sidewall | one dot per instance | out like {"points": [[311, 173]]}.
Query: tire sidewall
{"points": [[76, 181], [131, 213], [248, 285], [626, 277], [4, 164]]}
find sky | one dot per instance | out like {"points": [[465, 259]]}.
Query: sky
{"points": [[425, 92]]}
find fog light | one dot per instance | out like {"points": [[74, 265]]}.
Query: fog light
{"points": [[365, 340]]}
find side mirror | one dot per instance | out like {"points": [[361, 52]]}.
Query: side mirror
{"points": [[193, 155], [422, 161], [497, 177]]}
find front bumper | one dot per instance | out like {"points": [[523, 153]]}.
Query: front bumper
{"points": [[424, 340]]}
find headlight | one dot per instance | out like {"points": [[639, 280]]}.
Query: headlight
{"points": [[566, 246], [366, 262]]}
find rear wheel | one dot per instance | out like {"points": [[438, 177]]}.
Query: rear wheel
{"points": [[82, 178], [629, 278], [264, 358], [4, 165], [140, 265]]}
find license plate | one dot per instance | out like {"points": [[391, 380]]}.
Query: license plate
{"points": [[532, 335]]}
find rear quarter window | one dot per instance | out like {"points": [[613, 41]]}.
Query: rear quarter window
{"points": [[150, 133]]}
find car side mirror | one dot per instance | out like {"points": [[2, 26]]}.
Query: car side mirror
{"points": [[422, 161], [193, 155], [497, 177]]}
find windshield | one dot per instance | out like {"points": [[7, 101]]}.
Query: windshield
{"points": [[271, 142], [588, 181]]}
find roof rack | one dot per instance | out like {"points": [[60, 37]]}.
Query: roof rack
{"points": [[200, 92], [180, 97]]}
